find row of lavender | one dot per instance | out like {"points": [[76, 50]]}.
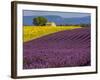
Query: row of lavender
{"points": [[61, 49]]}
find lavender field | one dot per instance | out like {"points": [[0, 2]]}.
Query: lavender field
{"points": [[69, 48]]}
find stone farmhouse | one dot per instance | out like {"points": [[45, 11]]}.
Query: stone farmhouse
{"points": [[50, 24]]}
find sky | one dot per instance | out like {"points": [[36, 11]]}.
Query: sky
{"points": [[61, 14]]}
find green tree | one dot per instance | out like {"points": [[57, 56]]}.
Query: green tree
{"points": [[39, 21]]}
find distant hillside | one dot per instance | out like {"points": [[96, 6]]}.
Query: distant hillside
{"points": [[27, 20]]}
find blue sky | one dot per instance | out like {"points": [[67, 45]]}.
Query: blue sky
{"points": [[61, 14]]}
